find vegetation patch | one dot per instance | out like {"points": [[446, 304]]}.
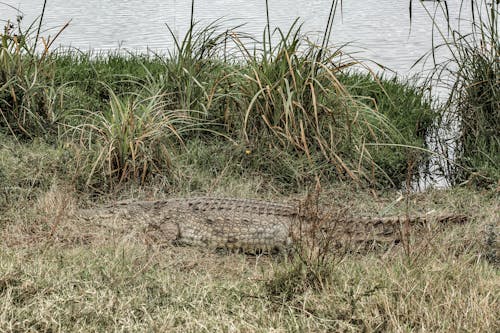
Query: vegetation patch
{"points": [[131, 114]]}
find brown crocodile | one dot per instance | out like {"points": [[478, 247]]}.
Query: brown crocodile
{"points": [[251, 225]]}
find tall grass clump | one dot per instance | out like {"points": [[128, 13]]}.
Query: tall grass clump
{"points": [[29, 101], [293, 99], [133, 138], [472, 72], [196, 72]]}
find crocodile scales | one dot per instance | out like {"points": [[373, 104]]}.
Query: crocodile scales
{"points": [[245, 224]]}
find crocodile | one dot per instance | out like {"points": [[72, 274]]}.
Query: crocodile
{"points": [[251, 225]]}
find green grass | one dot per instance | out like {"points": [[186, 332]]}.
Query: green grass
{"points": [[293, 99], [409, 110]]}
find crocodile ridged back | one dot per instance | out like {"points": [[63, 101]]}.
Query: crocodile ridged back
{"points": [[230, 206]]}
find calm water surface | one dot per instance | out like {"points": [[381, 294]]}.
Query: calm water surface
{"points": [[379, 29]]}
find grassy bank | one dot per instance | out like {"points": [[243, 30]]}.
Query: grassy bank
{"points": [[127, 117]]}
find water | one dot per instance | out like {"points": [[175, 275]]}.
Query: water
{"points": [[379, 29]]}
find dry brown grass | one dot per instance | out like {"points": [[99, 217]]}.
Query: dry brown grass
{"points": [[60, 275]]}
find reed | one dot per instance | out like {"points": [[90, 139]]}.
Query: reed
{"points": [[472, 75]]}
